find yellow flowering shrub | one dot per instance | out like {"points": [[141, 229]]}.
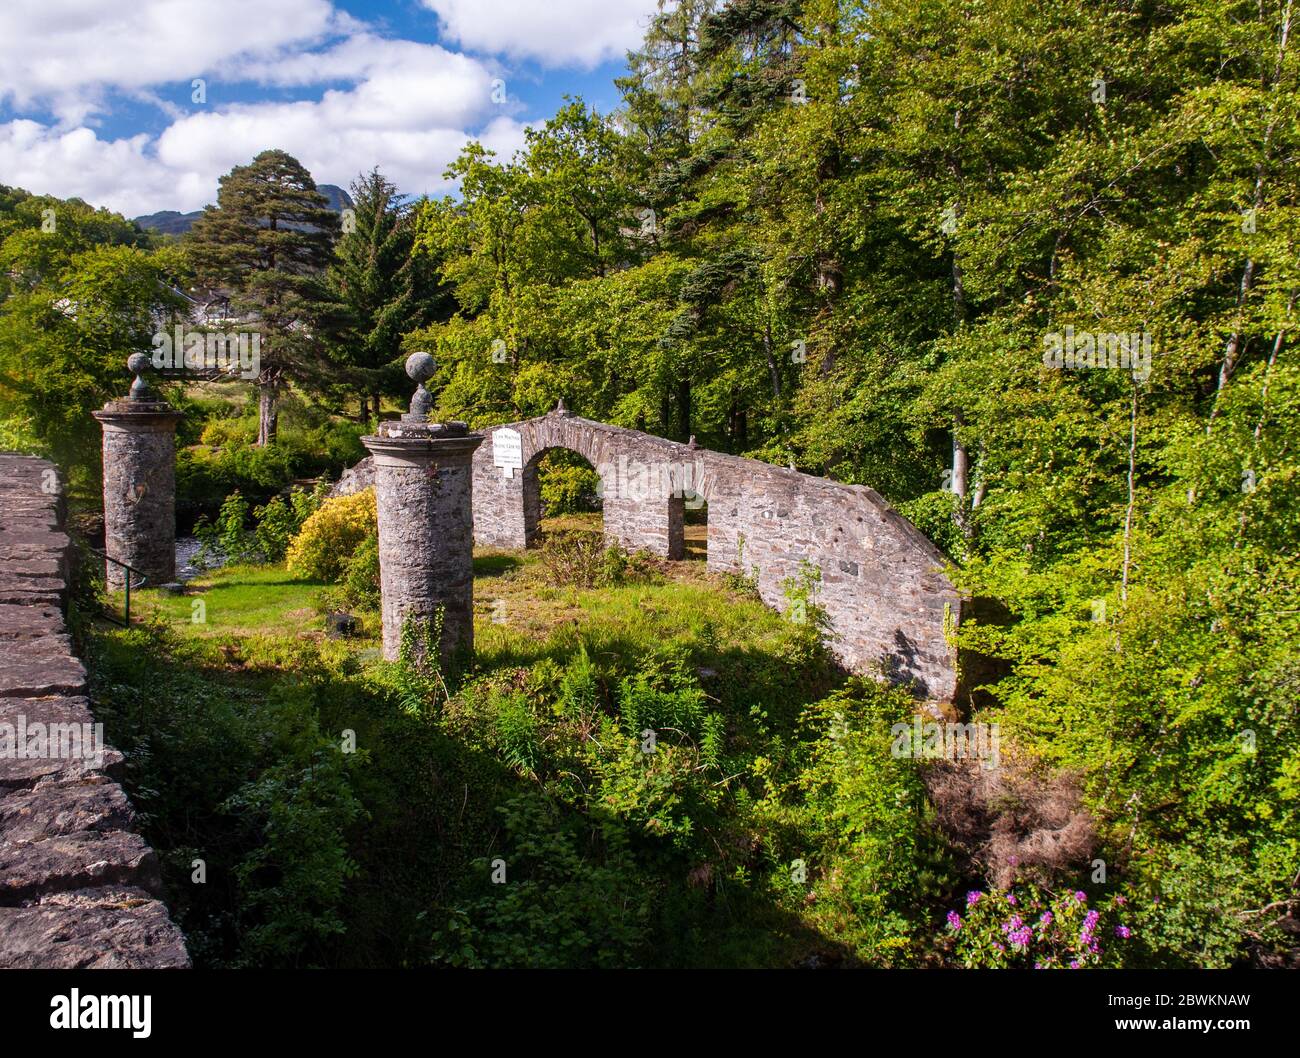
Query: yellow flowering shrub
{"points": [[328, 538]]}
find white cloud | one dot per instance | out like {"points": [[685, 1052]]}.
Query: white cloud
{"points": [[179, 171], [63, 53], [76, 163], [554, 32], [405, 106]]}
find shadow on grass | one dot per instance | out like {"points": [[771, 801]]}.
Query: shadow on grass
{"points": [[496, 565]]}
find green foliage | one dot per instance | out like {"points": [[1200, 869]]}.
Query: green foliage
{"points": [[583, 559], [227, 535], [1205, 901], [569, 898], [268, 810], [567, 483], [358, 589], [856, 818], [202, 474], [78, 292], [800, 593], [278, 520], [376, 291], [293, 879], [17, 435], [417, 676]]}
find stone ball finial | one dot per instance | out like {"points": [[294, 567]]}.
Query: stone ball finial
{"points": [[420, 366], [138, 364]]}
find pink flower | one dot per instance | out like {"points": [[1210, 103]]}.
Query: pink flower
{"points": [[954, 921]]}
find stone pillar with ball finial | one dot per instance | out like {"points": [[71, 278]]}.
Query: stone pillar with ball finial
{"points": [[139, 482], [424, 496]]}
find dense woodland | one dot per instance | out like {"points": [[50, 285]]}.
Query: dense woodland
{"points": [[828, 234]]}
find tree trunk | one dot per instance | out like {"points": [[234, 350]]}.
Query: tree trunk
{"points": [[958, 291], [1128, 512], [1236, 340], [960, 474], [1278, 343], [773, 368], [267, 413]]}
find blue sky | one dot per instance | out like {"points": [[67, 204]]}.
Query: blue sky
{"points": [[99, 100]]}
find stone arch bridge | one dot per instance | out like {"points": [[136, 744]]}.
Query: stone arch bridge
{"points": [[889, 604]]}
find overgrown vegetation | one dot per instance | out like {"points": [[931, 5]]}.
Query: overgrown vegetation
{"points": [[836, 235]]}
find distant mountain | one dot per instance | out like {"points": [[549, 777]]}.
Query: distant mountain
{"points": [[169, 222]]}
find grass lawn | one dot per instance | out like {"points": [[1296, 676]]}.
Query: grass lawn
{"points": [[521, 613], [236, 601]]}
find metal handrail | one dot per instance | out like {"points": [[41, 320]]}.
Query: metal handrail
{"points": [[127, 580]]}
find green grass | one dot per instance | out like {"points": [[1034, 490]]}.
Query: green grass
{"points": [[520, 614], [238, 600]]}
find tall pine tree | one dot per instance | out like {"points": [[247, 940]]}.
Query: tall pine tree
{"points": [[267, 242], [377, 291]]}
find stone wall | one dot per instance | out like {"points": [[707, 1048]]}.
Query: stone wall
{"points": [[882, 584], [633, 466], [78, 887]]}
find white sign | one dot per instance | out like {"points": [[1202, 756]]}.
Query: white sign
{"points": [[508, 451]]}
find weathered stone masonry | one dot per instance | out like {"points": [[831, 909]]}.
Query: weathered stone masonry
{"points": [[139, 489], [78, 887], [882, 582], [423, 497], [424, 500]]}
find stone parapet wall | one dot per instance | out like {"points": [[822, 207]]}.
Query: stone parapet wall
{"points": [[882, 586], [79, 888], [881, 583]]}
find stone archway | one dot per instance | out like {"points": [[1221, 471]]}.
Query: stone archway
{"points": [[891, 608], [533, 473], [645, 481]]}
